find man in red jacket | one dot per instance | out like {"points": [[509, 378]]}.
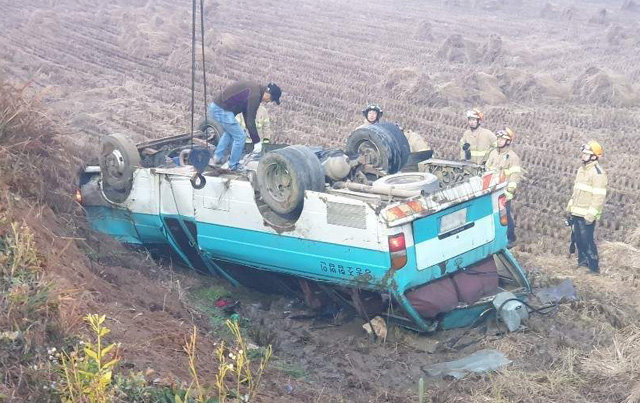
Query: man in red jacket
{"points": [[241, 97]]}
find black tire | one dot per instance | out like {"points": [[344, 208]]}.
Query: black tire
{"points": [[377, 146], [212, 130], [316, 171], [115, 196], [283, 176], [400, 139], [119, 158]]}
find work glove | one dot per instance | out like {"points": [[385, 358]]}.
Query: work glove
{"points": [[568, 220], [257, 148], [467, 152], [509, 194]]}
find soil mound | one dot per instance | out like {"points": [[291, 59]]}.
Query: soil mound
{"points": [[456, 49], [423, 31], [548, 11], [521, 86], [153, 38], [599, 87], [452, 92], [600, 18], [492, 50], [485, 89], [412, 84], [622, 36]]}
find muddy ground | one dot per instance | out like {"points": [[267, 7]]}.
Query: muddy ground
{"points": [[558, 73]]}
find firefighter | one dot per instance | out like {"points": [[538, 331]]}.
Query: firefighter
{"points": [[506, 162], [241, 97], [476, 142], [263, 124], [585, 205], [372, 114]]}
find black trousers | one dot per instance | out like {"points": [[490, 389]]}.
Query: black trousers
{"points": [[511, 225], [587, 250]]}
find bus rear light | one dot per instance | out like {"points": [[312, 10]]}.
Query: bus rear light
{"points": [[404, 210], [502, 206], [398, 250], [397, 243]]}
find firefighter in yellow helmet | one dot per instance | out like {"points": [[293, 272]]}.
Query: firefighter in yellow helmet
{"points": [[585, 205], [476, 142], [506, 162]]}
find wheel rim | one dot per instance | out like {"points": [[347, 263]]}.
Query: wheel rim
{"points": [[371, 153], [279, 182], [405, 179], [115, 164]]}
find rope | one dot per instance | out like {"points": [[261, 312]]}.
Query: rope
{"points": [[204, 70], [193, 65]]}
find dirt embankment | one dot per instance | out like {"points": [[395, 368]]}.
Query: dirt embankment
{"points": [[82, 272]]}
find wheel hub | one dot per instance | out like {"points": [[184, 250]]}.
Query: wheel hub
{"points": [[370, 153], [115, 163], [279, 182]]}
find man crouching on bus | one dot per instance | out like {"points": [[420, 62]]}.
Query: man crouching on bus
{"points": [[241, 97]]}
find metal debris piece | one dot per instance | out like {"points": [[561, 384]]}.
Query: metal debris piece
{"points": [[565, 291], [510, 310], [478, 362]]}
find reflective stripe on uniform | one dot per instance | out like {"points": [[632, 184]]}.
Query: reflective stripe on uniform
{"points": [[478, 153], [512, 170], [586, 188], [580, 211]]}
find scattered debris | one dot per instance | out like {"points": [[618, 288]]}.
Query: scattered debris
{"points": [[563, 292], [10, 336], [224, 302], [379, 327], [510, 310], [423, 344], [478, 362]]}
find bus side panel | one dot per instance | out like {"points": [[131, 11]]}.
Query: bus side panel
{"points": [[317, 245]]}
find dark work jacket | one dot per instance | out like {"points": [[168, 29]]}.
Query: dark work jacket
{"points": [[243, 97]]}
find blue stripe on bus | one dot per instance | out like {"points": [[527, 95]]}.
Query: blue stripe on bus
{"points": [[297, 256]]}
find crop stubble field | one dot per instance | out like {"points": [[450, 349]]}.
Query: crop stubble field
{"points": [[559, 74]]}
